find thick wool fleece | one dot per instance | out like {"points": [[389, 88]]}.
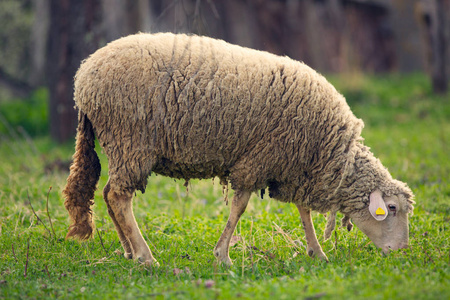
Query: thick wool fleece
{"points": [[195, 107]]}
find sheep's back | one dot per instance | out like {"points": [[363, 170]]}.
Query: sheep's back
{"points": [[195, 107]]}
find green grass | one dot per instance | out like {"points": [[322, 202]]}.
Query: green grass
{"points": [[406, 127]]}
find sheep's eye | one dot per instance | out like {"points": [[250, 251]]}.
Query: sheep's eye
{"points": [[392, 208]]}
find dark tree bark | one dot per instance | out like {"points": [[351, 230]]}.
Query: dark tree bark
{"points": [[124, 17], [69, 43], [371, 38], [438, 72], [433, 27]]}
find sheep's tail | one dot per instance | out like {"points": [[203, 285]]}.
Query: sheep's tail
{"points": [[82, 181]]}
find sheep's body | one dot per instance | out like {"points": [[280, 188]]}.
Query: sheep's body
{"points": [[194, 107]]}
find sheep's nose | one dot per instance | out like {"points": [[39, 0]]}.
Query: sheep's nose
{"points": [[386, 249], [396, 247]]}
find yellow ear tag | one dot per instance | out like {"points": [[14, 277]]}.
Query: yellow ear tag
{"points": [[379, 211]]}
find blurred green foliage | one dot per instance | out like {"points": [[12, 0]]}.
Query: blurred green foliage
{"points": [[391, 98], [29, 115]]}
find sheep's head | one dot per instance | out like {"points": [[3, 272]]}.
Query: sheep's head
{"points": [[385, 219]]}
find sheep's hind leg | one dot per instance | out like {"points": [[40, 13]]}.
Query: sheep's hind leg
{"points": [[120, 209], [125, 243], [313, 247], [238, 206]]}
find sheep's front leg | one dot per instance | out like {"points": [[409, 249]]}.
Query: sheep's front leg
{"points": [[121, 212], [331, 225], [238, 206], [312, 245]]}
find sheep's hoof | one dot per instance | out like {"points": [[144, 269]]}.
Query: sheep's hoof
{"points": [[317, 253], [322, 256], [222, 258], [128, 255], [148, 262], [226, 261]]}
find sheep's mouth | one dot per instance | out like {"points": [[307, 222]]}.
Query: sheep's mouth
{"points": [[387, 249]]}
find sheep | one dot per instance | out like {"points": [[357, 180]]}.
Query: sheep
{"points": [[331, 224], [187, 106]]}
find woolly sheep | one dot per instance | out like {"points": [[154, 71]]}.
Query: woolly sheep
{"points": [[187, 107]]}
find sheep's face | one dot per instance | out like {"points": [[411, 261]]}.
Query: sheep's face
{"points": [[385, 221]]}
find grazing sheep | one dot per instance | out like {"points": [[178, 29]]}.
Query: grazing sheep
{"points": [[331, 224], [195, 107]]}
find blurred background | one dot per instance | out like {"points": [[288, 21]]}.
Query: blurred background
{"points": [[42, 42]]}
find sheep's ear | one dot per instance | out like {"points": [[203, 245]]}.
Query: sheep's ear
{"points": [[377, 207]]}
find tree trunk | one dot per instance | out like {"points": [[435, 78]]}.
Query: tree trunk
{"points": [[124, 17], [433, 24], [439, 76], [39, 35], [69, 43]]}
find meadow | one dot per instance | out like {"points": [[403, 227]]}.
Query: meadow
{"points": [[407, 127]]}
